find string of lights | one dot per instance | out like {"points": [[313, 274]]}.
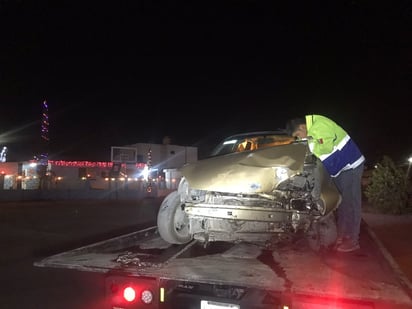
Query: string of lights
{"points": [[45, 122], [45, 133]]}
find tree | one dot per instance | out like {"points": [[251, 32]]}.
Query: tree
{"points": [[387, 190]]}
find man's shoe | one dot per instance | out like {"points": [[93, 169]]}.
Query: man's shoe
{"points": [[348, 245], [339, 241]]}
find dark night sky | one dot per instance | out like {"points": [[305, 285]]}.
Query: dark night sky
{"points": [[122, 72]]}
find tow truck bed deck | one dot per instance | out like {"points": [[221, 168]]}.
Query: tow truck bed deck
{"points": [[364, 275]]}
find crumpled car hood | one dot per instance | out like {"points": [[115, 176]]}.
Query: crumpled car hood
{"points": [[256, 171]]}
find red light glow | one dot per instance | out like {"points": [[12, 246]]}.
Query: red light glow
{"points": [[88, 164], [129, 294]]}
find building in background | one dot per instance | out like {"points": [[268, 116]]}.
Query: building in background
{"points": [[132, 167]]}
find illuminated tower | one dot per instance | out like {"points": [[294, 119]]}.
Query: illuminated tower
{"points": [[43, 159], [44, 156]]}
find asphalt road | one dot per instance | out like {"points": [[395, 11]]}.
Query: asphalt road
{"points": [[394, 232], [30, 231]]}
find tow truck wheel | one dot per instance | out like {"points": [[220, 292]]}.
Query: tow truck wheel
{"points": [[323, 233], [172, 221]]}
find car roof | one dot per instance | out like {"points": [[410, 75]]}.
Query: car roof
{"points": [[257, 133]]}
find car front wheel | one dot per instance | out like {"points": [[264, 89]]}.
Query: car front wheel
{"points": [[172, 221]]}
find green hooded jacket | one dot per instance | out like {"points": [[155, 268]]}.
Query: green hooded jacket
{"points": [[332, 145]]}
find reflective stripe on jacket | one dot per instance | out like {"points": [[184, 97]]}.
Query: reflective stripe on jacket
{"points": [[332, 145]]}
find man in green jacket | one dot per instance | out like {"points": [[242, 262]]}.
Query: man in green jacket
{"points": [[344, 162]]}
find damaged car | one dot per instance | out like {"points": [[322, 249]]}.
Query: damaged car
{"points": [[261, 187]]}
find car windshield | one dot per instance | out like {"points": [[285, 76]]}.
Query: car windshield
{"points": [[251, 141]]}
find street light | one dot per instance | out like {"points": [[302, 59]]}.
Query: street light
{"points": [[409, 166]]}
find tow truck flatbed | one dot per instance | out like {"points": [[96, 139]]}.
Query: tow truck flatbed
{"points": [[367, 277]]}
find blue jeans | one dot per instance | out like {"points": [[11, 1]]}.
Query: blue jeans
{"points": [[350, 209]]}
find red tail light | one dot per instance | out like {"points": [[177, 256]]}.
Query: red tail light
{"points": [[126, 292], [133, 293], [129, 294]]}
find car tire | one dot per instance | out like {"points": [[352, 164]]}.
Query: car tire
{"points": [[172, 221]]}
